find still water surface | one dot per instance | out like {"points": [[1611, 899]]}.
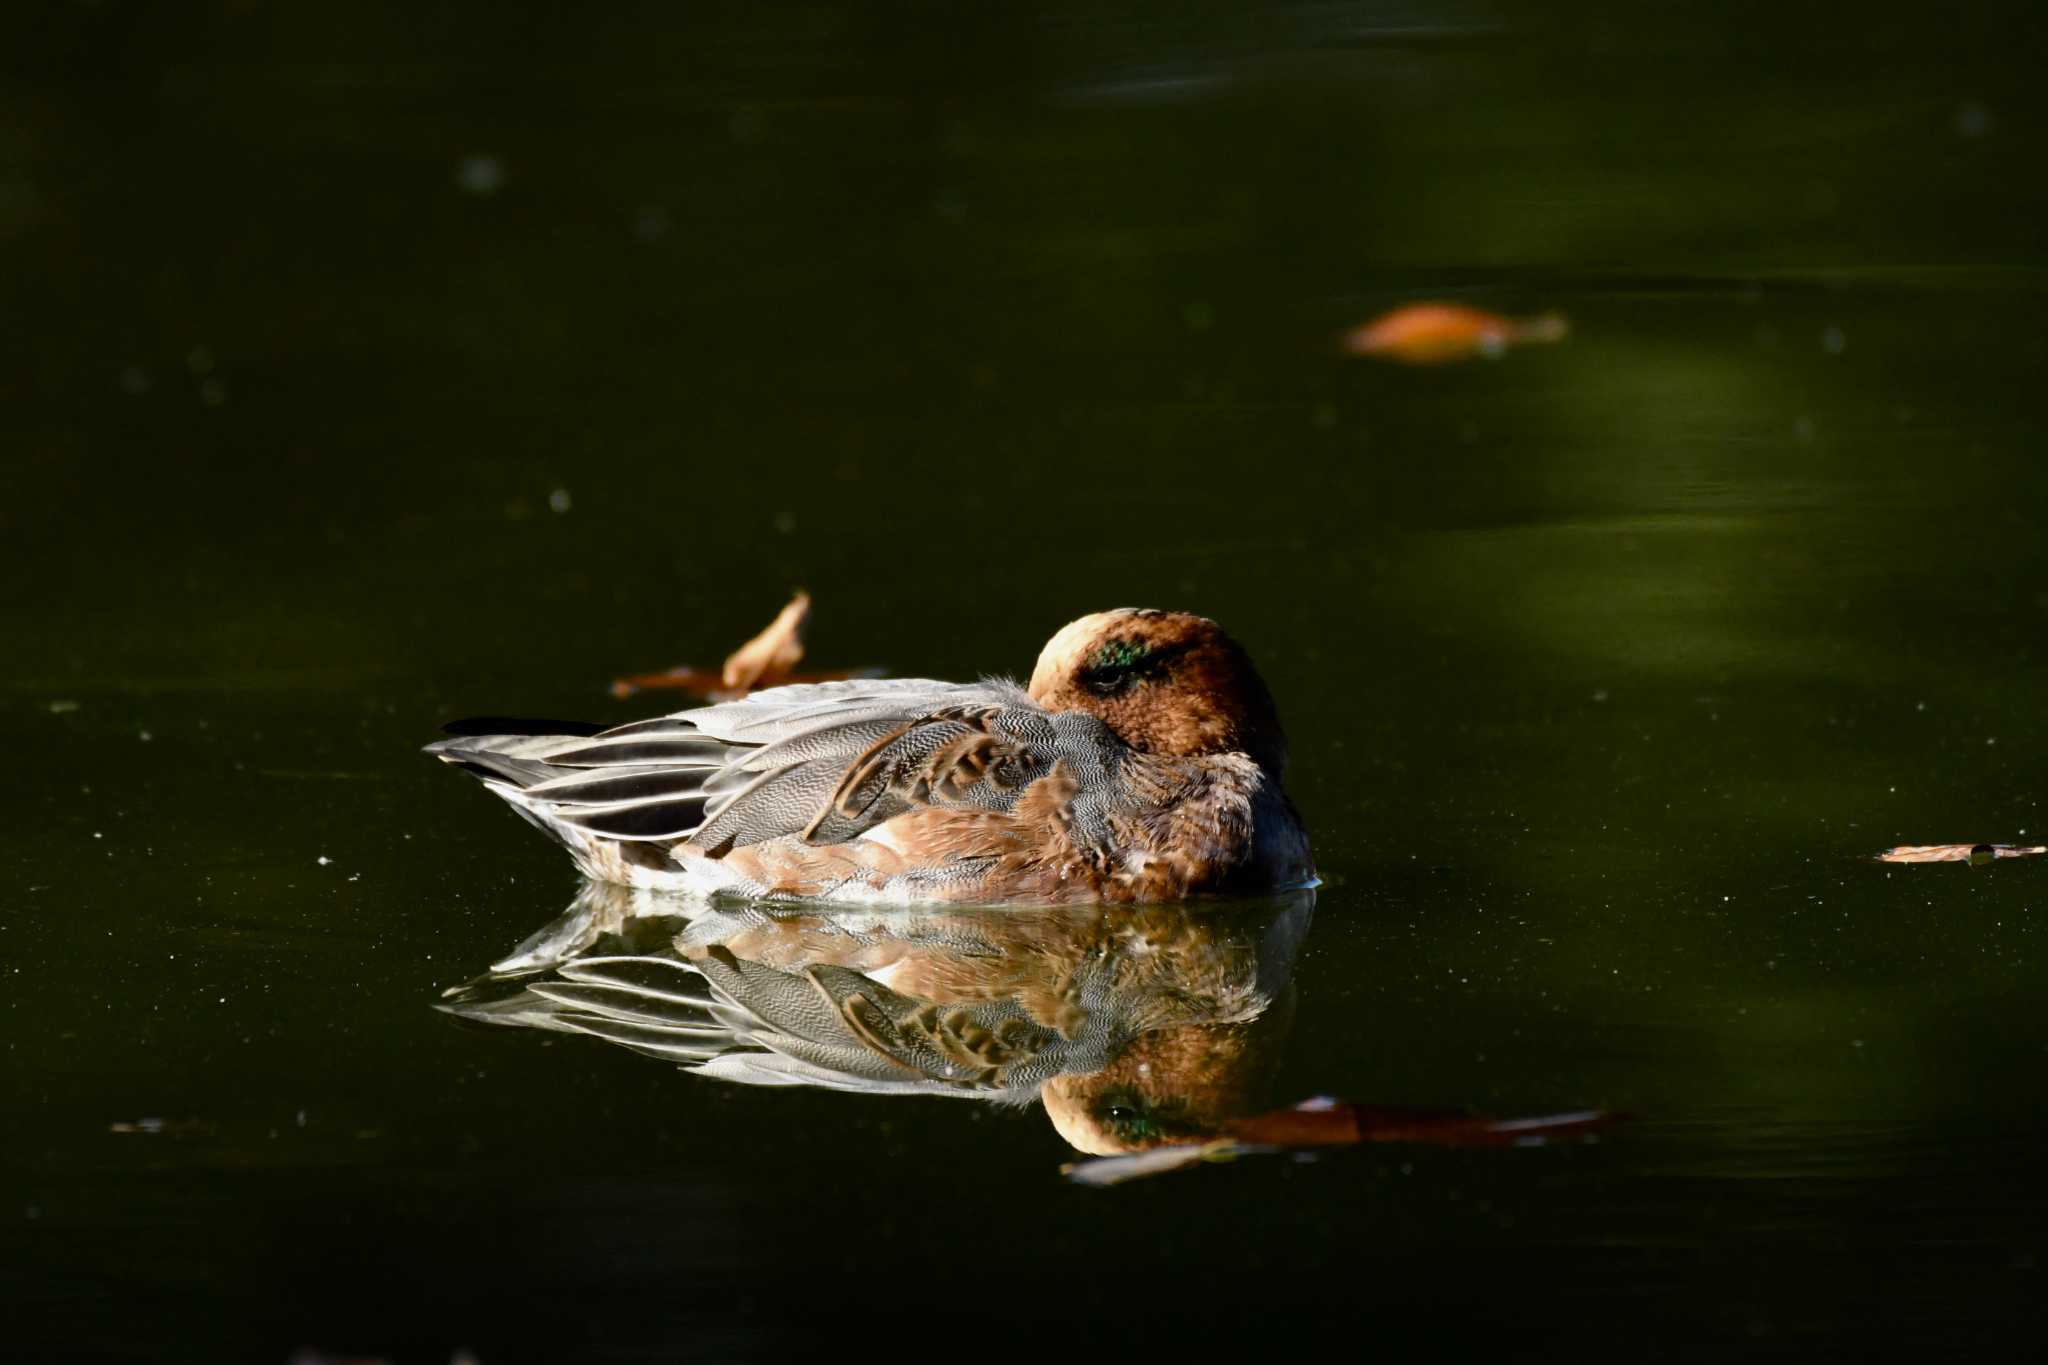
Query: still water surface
{"points": [[368, 375]]}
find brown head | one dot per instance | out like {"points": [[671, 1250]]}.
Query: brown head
{"points": [[1166, 682]]}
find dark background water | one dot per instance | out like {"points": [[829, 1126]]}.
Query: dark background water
{"points": [[367, 367]]}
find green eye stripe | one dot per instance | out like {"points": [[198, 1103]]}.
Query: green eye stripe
{"points": [[1118, 654]]}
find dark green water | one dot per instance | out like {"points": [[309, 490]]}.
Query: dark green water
{"points": [[1606, 664]]}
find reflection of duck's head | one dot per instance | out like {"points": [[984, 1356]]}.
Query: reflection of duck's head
{"points": [[1166, 682], [1173, 1085]]}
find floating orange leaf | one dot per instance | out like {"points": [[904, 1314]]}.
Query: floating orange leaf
{"points": [[1439, 333]]}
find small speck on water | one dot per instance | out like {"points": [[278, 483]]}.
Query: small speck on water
{"points": [[480, 174], [651, 223], [747, 124], [1972, 119], [63, 706], [558, 501], [323, 860], [1834, 341]]}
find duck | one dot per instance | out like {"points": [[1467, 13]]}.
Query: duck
{"points": [[1142, 763]]}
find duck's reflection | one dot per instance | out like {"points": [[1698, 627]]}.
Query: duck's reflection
{"points": [[1135, 1027]]}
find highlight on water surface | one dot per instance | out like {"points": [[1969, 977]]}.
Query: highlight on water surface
{"points": [[1444, 333]]}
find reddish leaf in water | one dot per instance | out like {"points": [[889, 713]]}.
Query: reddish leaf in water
{"points": [[1324, 1122], [1327, 1123]]}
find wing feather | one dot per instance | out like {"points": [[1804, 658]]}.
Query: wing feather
{"points": [[826, 761]]}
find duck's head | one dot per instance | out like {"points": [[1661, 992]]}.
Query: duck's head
{"points": [[1166, 682]]}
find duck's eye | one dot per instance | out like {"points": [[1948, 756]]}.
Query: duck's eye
{"points": [[1131, 1124], [1107, 682]]}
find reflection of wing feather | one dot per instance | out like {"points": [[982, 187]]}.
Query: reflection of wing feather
{"points": [[674, 1045], [879, 1002], [663, 977], [631, 1006]]}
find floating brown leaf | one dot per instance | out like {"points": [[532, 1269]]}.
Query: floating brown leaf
{"points": [[681, 678], [1958, 853], [768, 658]]}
